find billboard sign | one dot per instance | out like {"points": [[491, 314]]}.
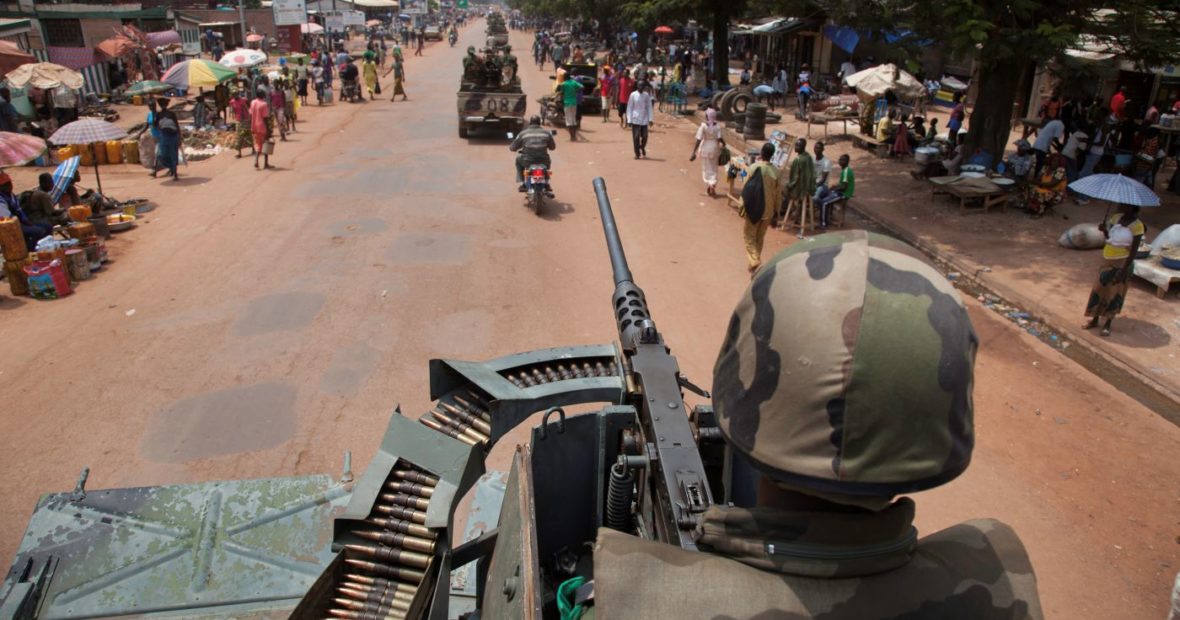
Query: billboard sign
{"points": [[338, 20], [289, 12], [414, 7]]}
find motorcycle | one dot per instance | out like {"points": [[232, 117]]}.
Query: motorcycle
{"points": [[536, 184], [453, 37]]}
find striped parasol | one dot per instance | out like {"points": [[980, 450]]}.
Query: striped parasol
{"points": [[88, 131], [1116, 188], [63, 176], [243, 58], [18, 149], [197, 73]]}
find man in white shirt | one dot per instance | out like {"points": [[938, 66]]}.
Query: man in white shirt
{"points": [[1049, 136], [823, 167], [639, 114], [847, 69]]}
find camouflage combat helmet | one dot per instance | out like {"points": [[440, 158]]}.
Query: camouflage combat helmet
{"points": [[847, 369]]}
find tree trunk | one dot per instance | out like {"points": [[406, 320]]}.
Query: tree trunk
{"points": [[991, 120], [721, 45]]}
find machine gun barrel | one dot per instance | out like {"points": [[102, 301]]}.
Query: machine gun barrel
{"points": [[674, 485], [618, 259]]}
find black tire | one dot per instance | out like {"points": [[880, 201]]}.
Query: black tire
{"points": [[725, 106], [462, 131], [741, 101], [756, 111], [538, 200]]}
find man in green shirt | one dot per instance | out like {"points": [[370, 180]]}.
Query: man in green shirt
{"points": [[569, 99], [800, 182], [841, 191]]}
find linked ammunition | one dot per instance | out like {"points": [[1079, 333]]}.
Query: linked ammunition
{"points": [[404, 527], [475, 405], [408, 501], [469, 417], [401, 512], [415, 476], [377, 597], [370, 592], [380, 582], [392, 556], [392, 539], [412, 488], [395, 572], [457, 426], [364, 615], [371, 607], [551, 374], [449, 432]]}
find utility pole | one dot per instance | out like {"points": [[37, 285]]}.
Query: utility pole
{"points": [[242, 18]]}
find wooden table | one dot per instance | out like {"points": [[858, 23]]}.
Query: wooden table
{"points": [[968, 189], [823, 118], [1153, 271]]}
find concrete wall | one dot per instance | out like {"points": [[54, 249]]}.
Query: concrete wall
{"points": [[95, 31]]}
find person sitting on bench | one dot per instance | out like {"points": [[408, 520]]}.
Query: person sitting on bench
{"points": [[841, 191]]}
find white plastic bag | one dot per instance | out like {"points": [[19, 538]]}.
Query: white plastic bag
{"points": [[1082, 237]]}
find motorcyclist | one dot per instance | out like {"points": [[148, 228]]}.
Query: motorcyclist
{"points": [[453, 35], [534, 144]]}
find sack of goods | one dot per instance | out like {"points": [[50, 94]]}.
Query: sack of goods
{"points": [[1082, 237]]}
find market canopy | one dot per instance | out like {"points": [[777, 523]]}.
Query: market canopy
{"points": [[876, 81], [116, 46], [165, 38], [12, 56], [44, 75], [148, 87], [197, 73], [310, 28]]}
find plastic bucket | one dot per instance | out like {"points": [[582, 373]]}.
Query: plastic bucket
{"points": [[100, 226]]}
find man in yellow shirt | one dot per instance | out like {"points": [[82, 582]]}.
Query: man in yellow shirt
{"points": [[757, 216]]}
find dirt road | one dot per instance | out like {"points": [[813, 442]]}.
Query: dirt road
{"points": [[280, 316]]}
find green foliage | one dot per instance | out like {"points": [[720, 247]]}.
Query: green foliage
{"points": [[252, 4]]}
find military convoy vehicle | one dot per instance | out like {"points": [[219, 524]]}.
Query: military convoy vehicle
{"points": [[381, 546], [490, 97]]}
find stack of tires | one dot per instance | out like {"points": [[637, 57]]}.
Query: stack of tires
{"points": [[755, 125]]}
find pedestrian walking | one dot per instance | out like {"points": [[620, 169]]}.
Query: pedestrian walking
{"points": [[397, 68], [760, 199], [608, 89], [302, 80], [421, 42], [278, 109], [626, 85], [569, 89], [369, 73], [639, 116], [260, 120], [708, 147], [1124, 232], [168, 126], [241, 106], [800, 182]]}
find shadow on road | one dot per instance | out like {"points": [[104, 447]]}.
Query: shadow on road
{"points": [[1132, 332], [553, 211], [184, 181]]}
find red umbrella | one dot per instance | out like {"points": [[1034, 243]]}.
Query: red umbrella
{"points": [[663, 30]]}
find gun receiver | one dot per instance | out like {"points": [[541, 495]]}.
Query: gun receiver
{"points": [[673, 489]]}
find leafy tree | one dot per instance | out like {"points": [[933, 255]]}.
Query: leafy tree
{"points": [[1007, 37]]}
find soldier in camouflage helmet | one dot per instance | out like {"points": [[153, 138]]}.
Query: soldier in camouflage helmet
{"points": [[844, 380], [472, 65], [510, 61]]}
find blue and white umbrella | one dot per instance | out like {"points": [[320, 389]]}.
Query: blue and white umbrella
{"points": [[1116, 188], [63, 176]]}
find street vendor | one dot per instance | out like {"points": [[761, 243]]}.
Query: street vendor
{"points": [[10, 207], [39, 207]]}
